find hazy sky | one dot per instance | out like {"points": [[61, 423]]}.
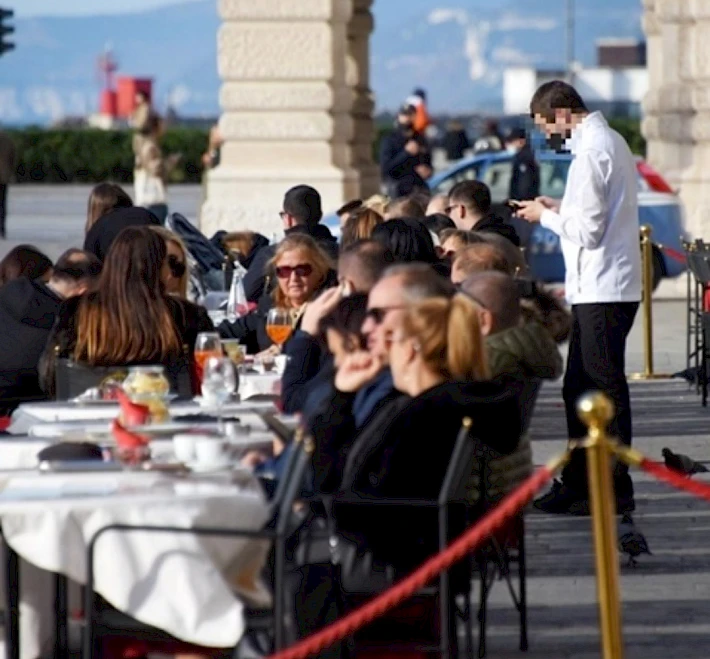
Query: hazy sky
{"points": [[74, 7]]}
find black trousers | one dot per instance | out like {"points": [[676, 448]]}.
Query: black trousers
{"points": [[3, 208], [597, 362]]}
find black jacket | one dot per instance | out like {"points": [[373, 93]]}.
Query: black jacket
{"points": [[525, 179], [27, 313], [101, 236], [306, 360], [404, 452], [455, 142], [494, 224], [397, 167], [255, 281]]}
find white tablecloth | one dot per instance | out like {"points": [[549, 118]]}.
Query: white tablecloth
{"points": [[30, 414], [183, 584], [259, 384]]}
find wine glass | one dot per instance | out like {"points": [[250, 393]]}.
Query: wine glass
{"points": [[207, 344], [219, 382], [279, 325]]}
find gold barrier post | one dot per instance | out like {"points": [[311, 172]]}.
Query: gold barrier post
{"points": [[647, 308], [596, 410]]}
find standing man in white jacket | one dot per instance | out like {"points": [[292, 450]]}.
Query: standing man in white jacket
{"points": [[598, 226]]}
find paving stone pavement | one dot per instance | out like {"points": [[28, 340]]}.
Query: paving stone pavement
{"points": [[666, 599]]}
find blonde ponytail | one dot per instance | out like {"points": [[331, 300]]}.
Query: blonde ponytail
{"points": [[449, 336], [465, 354]]}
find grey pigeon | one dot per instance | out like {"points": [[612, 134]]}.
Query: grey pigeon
{"points": [[631, 540], [682, 463]]}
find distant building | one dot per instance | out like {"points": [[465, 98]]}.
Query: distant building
{"points": [[616, 86]]}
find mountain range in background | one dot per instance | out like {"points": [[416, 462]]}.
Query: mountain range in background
{"points": [[457, 51]]}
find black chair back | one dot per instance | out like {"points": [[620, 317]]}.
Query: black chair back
{"points": [[73, 379]]}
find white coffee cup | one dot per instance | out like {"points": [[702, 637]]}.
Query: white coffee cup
{"points": [[210, 450], [184, 447], [281, 361]]}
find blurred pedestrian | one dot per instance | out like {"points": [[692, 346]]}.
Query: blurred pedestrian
{"points": [[422, 120], [456, 141], [405, 157], [525, 178], [490, 140], [7, 171], [150, 179]]}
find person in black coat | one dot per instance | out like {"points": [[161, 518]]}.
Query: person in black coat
{"points": [[437, 358], [525, 178], [301, 215], [301, 270], [470, 209], [28, 309], [101, 235], [455, 141], [405, 157]]}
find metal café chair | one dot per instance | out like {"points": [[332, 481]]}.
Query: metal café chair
{"points": [[101, 622]]}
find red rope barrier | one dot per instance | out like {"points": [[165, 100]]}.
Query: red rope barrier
{"points": [[674, 254], [677, 480], [464, 544]]}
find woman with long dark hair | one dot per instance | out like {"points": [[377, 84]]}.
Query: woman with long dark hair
{"points": [[128, 318], [105, 197]]}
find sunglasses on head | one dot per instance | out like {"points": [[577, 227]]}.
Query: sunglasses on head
{"points": [[300, 270], [177, 267]]}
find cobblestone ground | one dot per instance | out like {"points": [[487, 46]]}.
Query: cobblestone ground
{"points": [[666, 599]]}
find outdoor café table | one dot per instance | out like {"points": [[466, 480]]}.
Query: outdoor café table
{"points": [[31, 414], [181, 583]]}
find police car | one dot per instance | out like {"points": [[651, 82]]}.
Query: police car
{"points": [[659, 207]]}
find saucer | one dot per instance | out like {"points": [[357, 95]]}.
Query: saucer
{"points": [[209, 467]]}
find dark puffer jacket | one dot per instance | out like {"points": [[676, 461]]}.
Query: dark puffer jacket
{"points": [[527, 355]]}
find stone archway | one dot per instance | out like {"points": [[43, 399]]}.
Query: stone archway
{"points": [[296, 108]]}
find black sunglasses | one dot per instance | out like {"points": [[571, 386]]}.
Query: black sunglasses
{"points": [[300, 270], [177, 267]]}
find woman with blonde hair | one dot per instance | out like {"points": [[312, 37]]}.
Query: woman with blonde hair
{"points": [[437, 358], [176, 274], [378, 203], [359, 226], [300, 270]]}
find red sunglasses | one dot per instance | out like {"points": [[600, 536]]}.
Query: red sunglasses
{"points": [[300, 270]]}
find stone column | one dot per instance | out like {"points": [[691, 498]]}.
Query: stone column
{"points": [[677, 106], [289, 109]]}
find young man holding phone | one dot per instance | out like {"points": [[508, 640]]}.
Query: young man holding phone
{"points": [[597, 222]]}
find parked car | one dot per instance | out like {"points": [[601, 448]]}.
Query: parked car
{"points": [[659, 207]]}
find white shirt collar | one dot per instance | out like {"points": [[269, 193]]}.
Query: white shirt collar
{"points": [[573, 142]]}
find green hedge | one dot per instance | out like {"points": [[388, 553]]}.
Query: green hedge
{"points": [[630, 129], [92, 156]]}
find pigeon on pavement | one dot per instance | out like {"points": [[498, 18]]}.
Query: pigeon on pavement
{"points": [[631, 540], [682, 463]]}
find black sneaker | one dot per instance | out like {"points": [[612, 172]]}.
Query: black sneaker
{"points": [[558, 500], [581, 507]]}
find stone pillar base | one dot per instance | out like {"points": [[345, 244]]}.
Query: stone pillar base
{"points": [[239, 200]]}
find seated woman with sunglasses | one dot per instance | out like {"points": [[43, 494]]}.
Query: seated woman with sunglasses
{"points": [[437, 358], [128, 318], [302, 270]]}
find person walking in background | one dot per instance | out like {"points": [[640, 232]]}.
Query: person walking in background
{"points": [[525, 179], [150, 179], [405, 157], [598, 226], [7, 171], [422, 120], [456, 141], [490, 140], [139, 122]]}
